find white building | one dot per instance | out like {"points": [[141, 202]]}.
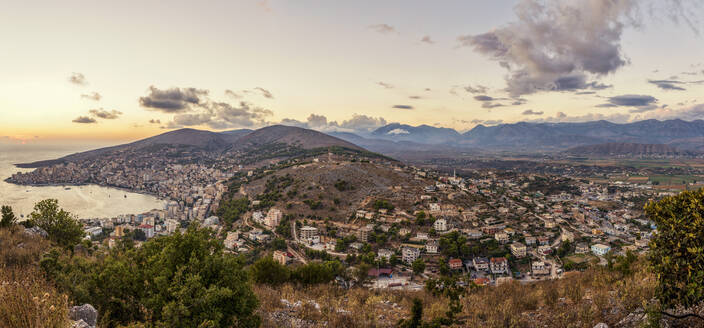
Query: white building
{"points": [[273, 218], [440, 225], [600, 249], [410, 254]]}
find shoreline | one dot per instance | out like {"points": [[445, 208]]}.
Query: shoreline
{"points": [[141, 192]]}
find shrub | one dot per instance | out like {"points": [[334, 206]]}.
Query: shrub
{"points": [[62, 227]]}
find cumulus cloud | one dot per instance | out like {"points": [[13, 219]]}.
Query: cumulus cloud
{"points": [[476, 89], [92, 96], [222, 115], [531, 112], [559, 45], [427, 39], [686, 112], [174, 100], [562, 117], [358, 123], [232, 94], [84, 120], [484, 98], [77, 78], [383, 28], [402, 106], [104, 114]]}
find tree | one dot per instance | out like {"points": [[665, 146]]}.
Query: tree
{"points": [[361, 272], [61, 226], [676, 251], [181, 280], [267, 271], [418, 266], [8, 217], [416, 319]]}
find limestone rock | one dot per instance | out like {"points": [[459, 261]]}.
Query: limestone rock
{"points": [[85, 312], [36, 231]]}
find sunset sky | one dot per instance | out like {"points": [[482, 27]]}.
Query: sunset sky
{"points": [[129, 69]]}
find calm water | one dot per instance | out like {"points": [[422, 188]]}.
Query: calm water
{"points": [[89, 201]]}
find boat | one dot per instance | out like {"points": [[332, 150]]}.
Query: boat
{"points": [[67, 188]]}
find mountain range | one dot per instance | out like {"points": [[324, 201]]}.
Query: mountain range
{"points": [[531, 137]]}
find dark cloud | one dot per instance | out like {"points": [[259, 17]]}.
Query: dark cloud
{"points": [[104, 114], [632, 100], [383, 28], [558, 46], [585, 93], [385, 85], [77, 78], [667, 84], [531, 112], [174, 100], [415, 97], [427, 39], [484, 98], [84, 119], [155, 121], [266, 93], [488, 104], [402, 106], [92, 96]]}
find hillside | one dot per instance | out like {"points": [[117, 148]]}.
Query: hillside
{"points": [[295, 136], [626, 149]]}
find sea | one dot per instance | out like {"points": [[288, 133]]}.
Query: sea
{"points": [[87, 201]]}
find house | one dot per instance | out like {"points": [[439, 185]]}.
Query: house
{"points": [[544, 250], [440, 225], [581, 248], [474, 234], [273, 218], [480, 263], [308, 233], [431, 246], [382, 272], [530, 241], [258, 217], [94, 231], [501, 237], [281, 257], [383, 253], [600, 249], [148, 230], [409, 254], [498, 265], [455, 264], [231, 239], [434, 208], [364, 232], [518, 249], [543, 240], [172, 225], [539, 268]]}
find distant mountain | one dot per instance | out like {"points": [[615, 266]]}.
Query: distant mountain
{"points": [[627, 149], [422, 134], [561, 136]]}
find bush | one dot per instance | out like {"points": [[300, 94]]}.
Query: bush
{"points": [[676, 250], [30, 301], [267, 271]]}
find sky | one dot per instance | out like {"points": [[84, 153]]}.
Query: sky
{"points": [[120, 71]]}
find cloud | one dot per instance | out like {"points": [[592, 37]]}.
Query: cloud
{"points": [[107, 115], [84, 119], [415, 97], [358, 123], [667, 84], [77, 78], [632, 100], [489, 102], [221, 115], [385, 85], [557, 45], [562, 117], [402, 106], [689, 113], [92, 96], [398, 131], [427, 39], [155, 121], [174, 100], [233, 94], [383, 28], [487, 122], [531, 112], [476, 89], [484, 98], [266, 93]]}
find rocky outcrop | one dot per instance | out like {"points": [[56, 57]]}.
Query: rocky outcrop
{"points": [[86, 313], [36, 231]]}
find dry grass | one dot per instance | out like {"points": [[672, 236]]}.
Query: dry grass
{"points": [[577, 300], [27, 300]]}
